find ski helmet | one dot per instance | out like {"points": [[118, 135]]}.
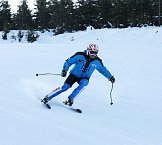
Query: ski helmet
{"points": [[92, 50]]}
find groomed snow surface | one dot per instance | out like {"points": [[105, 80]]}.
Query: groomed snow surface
{"points": [[132, 55]]}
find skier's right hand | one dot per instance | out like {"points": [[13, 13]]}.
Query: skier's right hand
{"points": [[63, 73]]}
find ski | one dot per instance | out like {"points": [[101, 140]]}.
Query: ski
{"points": [[75, 110], [47, 105], [71, 108], [66, 106]]}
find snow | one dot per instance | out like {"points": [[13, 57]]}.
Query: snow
{"points": [[133, 56]]}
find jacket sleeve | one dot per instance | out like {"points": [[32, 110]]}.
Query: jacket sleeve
{"points": [[103, 70], [70, 61]]}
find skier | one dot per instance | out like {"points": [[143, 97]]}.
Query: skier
{"points": [[84, 65]]}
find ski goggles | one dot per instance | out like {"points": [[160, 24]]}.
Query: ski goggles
{"points": [[93, 52]]}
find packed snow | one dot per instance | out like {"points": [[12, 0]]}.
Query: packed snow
{"points": [[132, 55]]}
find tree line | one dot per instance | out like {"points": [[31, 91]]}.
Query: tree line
{"points": [[65, 15]]}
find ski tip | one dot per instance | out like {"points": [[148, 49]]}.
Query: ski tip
{"points": [[78, 110], [49, 107]]}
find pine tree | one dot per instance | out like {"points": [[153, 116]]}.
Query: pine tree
{"points": [[86, 15], [150, 11], [106, 13], [42, 15], [54, 11], [79, 15], [66, 10], [22, 20], [5, 16], [61, 15], [94, 13]]}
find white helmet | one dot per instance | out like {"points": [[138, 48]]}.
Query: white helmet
{"points": [[92, 50]]}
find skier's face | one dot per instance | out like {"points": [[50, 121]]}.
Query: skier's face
{"points": [[93, 54]]}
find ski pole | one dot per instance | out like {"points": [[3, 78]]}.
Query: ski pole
{"points": [[111, 95], [47, 74]]}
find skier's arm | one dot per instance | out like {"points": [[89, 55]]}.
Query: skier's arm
{"points": [[66, 66], [103, 70], [70, 61]]}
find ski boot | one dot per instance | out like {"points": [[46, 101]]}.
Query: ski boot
{"points": [[45, 100], [69, 102]]}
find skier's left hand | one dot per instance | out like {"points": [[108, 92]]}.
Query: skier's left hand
{"points": [[63, 73], [112, 79]]}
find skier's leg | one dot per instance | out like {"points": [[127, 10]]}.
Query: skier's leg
{"points": [[56, 92], [79, 89], [71, 79]]}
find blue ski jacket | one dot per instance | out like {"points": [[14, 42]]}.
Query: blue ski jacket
{"points": [[84, 66]]}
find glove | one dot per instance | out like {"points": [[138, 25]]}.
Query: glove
{"points": [[112, 79], [63, 73]]}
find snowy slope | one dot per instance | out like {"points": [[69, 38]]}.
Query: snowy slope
{"points": [[133, 56]]}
